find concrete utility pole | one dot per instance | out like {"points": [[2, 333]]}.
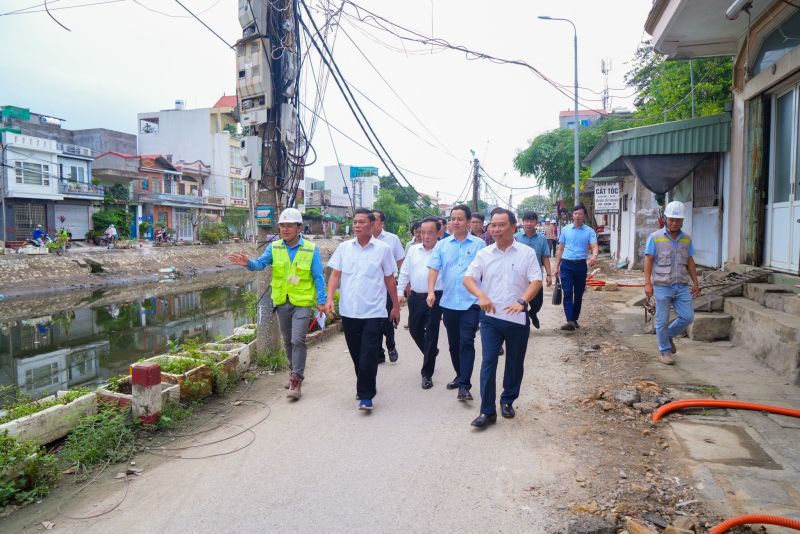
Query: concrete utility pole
{"points": [[258, 73], [476, 183]]}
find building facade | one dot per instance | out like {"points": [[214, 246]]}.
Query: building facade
{"points": [[352, 186]]}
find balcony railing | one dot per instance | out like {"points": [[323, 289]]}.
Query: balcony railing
{"points": [[81, 189], [169, 198], [219, 201]]}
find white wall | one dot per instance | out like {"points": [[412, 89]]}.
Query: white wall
{"points": [[25, 148], [335, 184]]}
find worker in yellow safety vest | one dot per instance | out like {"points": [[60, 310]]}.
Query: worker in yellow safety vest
{"points": [[298, 286]]}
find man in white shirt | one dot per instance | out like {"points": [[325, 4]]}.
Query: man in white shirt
{"points": [[423, 320], [364, 269], [504, 277], [396, 247]]}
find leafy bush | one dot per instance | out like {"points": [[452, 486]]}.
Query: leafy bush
{"points": [[27, 471], [107, 435], [244, 338], [273, 361], [177, 366], [144, 227], [213, 233], [120, 218]]}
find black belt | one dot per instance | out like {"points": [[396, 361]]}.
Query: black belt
{"points": [[575, 261], [425, 295]]}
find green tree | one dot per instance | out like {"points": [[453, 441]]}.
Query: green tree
{"points": [[236, 218], [404, 195], [663, 85], [538, 203], [397, 215], [550, 158]]}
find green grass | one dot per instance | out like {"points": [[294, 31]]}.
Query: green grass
{"points": [[28, 407], [244, 338], [273, 361], [172, 415], [107, 436], [177, 366], [27, 471]]}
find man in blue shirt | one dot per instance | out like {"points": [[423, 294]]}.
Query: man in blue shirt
{"points": [[38, 235], [573, 243], [297, 284], [538, 242], [450, 258]]}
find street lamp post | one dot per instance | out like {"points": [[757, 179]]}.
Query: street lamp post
{"points": [[577, 122]]}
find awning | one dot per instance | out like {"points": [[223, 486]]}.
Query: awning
{"points": [[660, 155]]}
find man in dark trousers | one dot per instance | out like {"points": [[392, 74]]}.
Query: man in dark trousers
{"points": [[538, 242], [396, 246], [504, 277], [364, 269], [423, 320], [574, 241], [449, 261]]}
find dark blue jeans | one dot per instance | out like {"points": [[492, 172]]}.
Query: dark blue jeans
{"points": [[461, 326], [495, 332], [573, 282]]}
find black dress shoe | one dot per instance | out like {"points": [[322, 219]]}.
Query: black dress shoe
{"points": [[453, 384], [483, 420], [507, 411], [427, 383], [393, 355], [464, 394], [535, 322]]}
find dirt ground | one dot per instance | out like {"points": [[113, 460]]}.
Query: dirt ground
{"points": [[581, 447]]}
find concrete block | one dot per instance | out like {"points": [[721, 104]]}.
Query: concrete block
{"points": [[54, 422], [146, 396], [768, 295], [771, 336], [710, 326]]}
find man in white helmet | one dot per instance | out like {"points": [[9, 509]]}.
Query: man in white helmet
{"points": [[668, 267], [298, 286]]}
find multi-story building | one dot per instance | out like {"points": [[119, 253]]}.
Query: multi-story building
{"points": [[208, 135], [47, 176], [351, 186]]}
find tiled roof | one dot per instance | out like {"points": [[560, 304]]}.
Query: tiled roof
{"points": [[228, 101]]}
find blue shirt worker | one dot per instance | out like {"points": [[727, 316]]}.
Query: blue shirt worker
{"points": [[539, 243], [504, 277], [573, 244], [38, 235], [364, 268], [298, 286], [668, 266], [460, 312]]}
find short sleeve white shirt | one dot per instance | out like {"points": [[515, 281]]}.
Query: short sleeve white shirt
{"points": [[504, 276], [362, 287], [394, 243], [414, 271]]}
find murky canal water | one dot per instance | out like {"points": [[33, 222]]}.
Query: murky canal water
{"points": [[85, 345]]}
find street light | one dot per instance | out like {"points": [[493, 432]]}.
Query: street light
{"points": [[577, 122]]}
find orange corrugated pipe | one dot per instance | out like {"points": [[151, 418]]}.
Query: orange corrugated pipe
{"points": [[716, 403], [728, 524]]}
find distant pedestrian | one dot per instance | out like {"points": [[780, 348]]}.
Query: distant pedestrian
{"points": [[111, 235], [443, 230], [504, 277], [460, 310], [298, 286], [413, 281], [538, 242], [38, 235], [574, 242], [668, 267], [478, 225], [363, 269], [551, 233], [396, 247], [415, 236]]}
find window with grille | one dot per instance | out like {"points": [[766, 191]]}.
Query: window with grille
{"points": [[238, 189], [32, 173], [705, 192]]}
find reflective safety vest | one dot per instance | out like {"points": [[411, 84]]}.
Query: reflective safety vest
{"points": [[670, 259], [292, 279]]}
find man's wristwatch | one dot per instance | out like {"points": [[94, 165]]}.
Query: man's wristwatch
{"points": [[522, 302]]}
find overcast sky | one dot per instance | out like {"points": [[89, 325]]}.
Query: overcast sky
{"points": [[120, 59]]}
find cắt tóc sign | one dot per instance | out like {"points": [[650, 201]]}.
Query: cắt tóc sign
{"points": [[606, 198]]}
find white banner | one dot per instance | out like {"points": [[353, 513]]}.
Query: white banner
{"points": [[606, 197]]}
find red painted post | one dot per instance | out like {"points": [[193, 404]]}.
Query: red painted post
{"points": [[146, 389]]}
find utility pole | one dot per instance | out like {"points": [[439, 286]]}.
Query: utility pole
{"points": [[476, 183], [258, 76]]}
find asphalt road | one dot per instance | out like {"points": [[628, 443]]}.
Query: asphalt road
{"points": [[413, 465]]}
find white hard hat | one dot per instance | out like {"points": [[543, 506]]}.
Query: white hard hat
{"points": [[674, 210], [290, 215]]}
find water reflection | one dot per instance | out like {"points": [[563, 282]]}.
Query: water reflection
{"points": [[85, 346]]}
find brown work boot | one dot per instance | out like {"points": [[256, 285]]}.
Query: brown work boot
{"points": [[294, 386]]}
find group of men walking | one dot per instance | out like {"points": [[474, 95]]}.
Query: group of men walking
{"points": [[468, 279]]}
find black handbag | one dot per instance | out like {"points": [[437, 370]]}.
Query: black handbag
{"points": [[558, 293]]}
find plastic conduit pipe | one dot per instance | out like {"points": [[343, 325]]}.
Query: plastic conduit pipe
{"points": [[715, 403], [755, 518]]}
